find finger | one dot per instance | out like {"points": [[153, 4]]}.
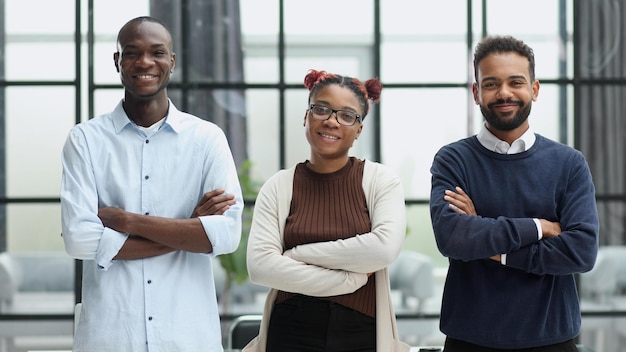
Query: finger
{"points": [[209, 199], [211, 194], [456, 209], [222, 210]]}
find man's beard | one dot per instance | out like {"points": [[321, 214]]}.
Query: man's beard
{"points": [[502, 124]]}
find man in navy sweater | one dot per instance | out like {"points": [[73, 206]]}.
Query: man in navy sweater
{"points": [[515, 213]]}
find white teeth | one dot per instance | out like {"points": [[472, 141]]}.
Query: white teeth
{"points": [[327, 136], [145, 76]]}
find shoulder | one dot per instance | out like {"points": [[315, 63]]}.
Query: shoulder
{"points": [[182, 122], [375, 171], [279, 179], [557, 149], [458, 151]]}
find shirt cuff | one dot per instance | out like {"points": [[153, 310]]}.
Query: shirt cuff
{"points": [[503, 259], [110, 244], [539, 229]]}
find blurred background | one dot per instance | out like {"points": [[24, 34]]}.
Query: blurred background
{"points": [[241, 64]]}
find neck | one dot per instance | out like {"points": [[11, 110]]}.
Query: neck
{"points": [[146, 112], [326, 166]]}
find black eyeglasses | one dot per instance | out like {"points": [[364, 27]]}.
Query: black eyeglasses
{"points": [[343, 117]]}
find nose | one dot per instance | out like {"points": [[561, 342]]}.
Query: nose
{"points": [[504, 92], [143, 60], [334, 120]]}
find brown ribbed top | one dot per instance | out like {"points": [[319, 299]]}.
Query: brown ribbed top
{"points": [[327, 207]]}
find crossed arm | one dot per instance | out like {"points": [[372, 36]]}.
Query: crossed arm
{"points": [[461, 203], [151, 235]]}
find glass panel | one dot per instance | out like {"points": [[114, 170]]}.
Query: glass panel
{"points": [[447, 17], [332, 43], [34, 16], [263, 132], [544, 22], [35, 134], [259, 30], [105, 100], [260, 65], [42, 235], [416, 123], [24, 59], [32, 34], [409, 61], [297, 148], [432, 49], [349, 61], [259, 17], [346, 19], [103, 65], [420, 236]]}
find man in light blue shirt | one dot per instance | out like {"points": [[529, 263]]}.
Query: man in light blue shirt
{"points": [[149, 195]]}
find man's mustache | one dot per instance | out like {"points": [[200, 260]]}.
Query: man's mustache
{"points": [[502, 101]]}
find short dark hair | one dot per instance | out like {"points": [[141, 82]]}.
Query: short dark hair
{"points": [[503, 44]]}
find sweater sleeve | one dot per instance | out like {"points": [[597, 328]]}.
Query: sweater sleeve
{"points": [[265, 260], [372, 251], [575, 249], [464, 237]]}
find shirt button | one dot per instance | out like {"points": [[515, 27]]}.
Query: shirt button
{"points": [[146, 177], [147, 141], [150, 318], [149, 281]]}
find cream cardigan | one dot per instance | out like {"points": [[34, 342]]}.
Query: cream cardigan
{"points": [[329, 268]]}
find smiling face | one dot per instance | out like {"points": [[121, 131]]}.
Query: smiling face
{"points": [[144, 60], [330, 141], [505, 92]]}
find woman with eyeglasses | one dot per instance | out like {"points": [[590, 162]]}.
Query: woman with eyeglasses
{"points": [[324, 231]]}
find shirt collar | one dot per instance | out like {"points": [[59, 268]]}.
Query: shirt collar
{"points": [[172, 119], [493, 143]]}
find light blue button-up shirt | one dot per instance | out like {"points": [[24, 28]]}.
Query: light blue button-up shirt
{"points": [[165, 303]]}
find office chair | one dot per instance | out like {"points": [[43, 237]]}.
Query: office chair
{"points": [[242, 330]]}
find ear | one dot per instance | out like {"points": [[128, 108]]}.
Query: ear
{"points": [[116, 57], [535, 88], [475, 93], [358, 131], [173, 62]]}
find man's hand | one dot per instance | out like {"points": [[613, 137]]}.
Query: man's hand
{"points": [[460, 202], [114, 218], [550, 228], [215, 202]]}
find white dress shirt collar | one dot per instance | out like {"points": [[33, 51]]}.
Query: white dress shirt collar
{"points": [[493, 143]]}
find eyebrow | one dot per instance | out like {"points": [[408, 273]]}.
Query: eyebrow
{"points": [[347, 108], [491, 78], [153, 46]]}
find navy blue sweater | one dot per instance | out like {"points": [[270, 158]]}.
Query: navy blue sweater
{"points": [[532, 301]]}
